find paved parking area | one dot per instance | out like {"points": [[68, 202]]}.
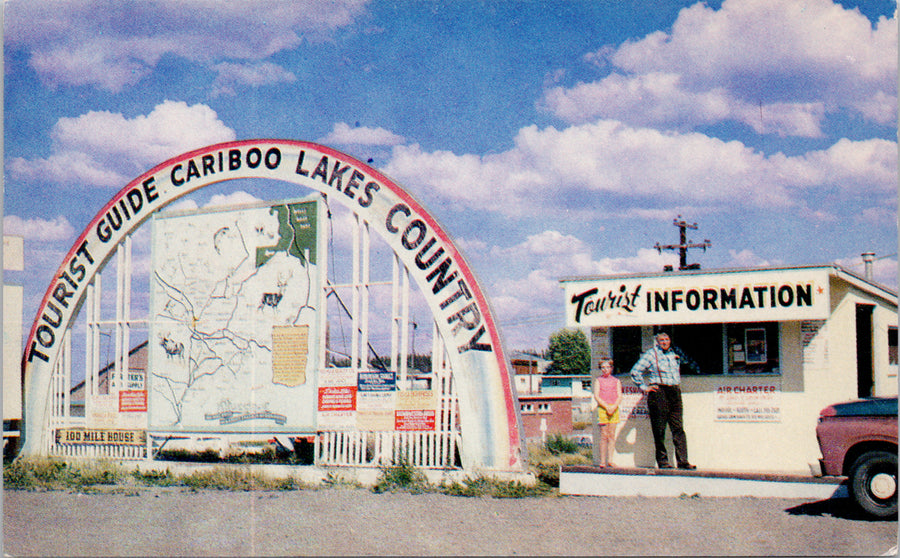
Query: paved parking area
{"points": [[350, 521]]}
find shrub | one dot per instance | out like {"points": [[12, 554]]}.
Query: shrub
{"points": [[53, 474], [401, 477], [18, 476], [546, 459], [155, 478], [486, 486], [558, 443]]}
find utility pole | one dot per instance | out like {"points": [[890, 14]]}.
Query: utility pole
{"points": [[683, 245]]}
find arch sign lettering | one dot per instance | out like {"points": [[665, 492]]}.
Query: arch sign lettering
{"points": [[486, 399]]}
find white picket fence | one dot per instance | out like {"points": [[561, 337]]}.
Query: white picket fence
{"points": [[429, 450], [99, 451]]}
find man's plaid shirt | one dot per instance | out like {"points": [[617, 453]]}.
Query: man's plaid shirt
{"points": [[660, 367]]}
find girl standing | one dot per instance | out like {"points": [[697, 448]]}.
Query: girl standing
{"points": [[607, 397]]}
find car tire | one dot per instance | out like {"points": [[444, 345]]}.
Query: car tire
{"points": [[873, 483]]}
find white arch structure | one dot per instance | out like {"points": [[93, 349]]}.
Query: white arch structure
{"points": [[487, 402]]}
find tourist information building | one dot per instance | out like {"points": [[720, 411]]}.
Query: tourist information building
{"points": [[774, 346]]}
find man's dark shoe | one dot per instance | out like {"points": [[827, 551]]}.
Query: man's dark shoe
{"points": [[687, 466], [666, 466]]}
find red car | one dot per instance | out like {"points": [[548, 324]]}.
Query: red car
{"points": [[858, 440]]}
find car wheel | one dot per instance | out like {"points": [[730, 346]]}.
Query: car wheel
{"points": [[873, 483]]}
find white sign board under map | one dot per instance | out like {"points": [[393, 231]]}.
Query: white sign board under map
{"points": [[234, 304]]}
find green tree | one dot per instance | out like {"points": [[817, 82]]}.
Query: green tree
{"points": [[569, 352]]}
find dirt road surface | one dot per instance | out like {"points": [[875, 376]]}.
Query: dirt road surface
{"points": [[350, 521]]}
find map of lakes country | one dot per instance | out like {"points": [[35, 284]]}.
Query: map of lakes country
{"points": [[234, 303]]}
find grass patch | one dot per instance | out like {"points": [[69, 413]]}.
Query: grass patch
{"points": [[92, 476], [95, 473], [155, 478], [332, 480], [546, 459], [236, 478], [52, 474], [487, 486], [403, 477]]}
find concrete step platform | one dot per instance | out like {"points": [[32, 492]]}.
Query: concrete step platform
{"points": [[616, 481]]}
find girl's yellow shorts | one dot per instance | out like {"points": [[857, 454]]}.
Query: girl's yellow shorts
{"points": [[605, 418]]}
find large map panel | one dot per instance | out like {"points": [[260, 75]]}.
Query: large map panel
{"points": [[234, 300]]}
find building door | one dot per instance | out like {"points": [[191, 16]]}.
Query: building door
{"points": [[865, 373]]}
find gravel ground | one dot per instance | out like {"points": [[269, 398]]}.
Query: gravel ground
{"points": [[350, 521]]}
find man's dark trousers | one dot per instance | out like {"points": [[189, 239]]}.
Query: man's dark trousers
{"points": [[665, 407]]}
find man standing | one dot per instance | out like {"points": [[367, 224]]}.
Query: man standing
{"points": [[662, 366]]}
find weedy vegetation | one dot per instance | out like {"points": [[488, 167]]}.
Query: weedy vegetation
{"points": [[91, 476], [401, 477], [545, 459]]}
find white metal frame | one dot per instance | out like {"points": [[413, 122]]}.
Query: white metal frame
{"points": [[435, 449], [60, 416]]}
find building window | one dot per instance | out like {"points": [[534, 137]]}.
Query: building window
{"points": [[626, 348], [586, 384], [892, 345], [752, 348], [702, 344], [527, 408], [716, 349], [543, 407]]}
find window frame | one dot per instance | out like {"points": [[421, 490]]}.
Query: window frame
{"points": [[715, 346], [892, 345]]}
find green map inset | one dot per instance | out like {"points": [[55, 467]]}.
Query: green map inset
{"points": [[296, 230]]}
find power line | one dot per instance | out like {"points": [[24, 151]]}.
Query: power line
{"points": [[531, 320], [894, 255], [683, 245]]}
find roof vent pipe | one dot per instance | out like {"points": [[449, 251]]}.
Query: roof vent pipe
{"points": [[868, 259]]}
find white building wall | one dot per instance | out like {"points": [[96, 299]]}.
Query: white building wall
{"points": [[13, 296]]}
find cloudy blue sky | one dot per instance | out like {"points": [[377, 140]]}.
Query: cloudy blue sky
{"points": [[550, 139]]}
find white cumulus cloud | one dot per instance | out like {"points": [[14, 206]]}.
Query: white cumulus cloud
{"points": [[105, 149], [231, 76], [111, 44], [778, 66], [344, 134], [608, 164], [533, 300], [41, 230]]}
